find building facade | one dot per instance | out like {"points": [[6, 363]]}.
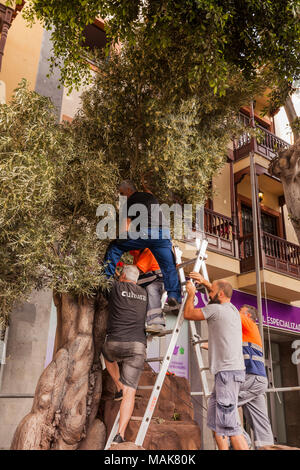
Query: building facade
{"points": [[26, 348]]}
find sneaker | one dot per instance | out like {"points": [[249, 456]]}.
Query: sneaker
{"points": [[118, 439], [118, 395], [155, 328], [173, 306]]}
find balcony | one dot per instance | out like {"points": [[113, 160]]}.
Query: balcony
{"points": [[277, 255], [219, 232], [267, 144]]}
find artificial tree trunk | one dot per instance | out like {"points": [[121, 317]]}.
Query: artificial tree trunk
{"points": [[292, 116], [64, 411], [286, 166]]}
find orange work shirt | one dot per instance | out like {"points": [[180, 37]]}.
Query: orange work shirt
{"points": [[250, 331], [145, 261]]}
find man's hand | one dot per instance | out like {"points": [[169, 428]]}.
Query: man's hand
{"points": [[197, 277], [200, 280], [190, 288]]}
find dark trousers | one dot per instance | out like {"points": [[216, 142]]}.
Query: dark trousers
{"points": [[161, 248]]}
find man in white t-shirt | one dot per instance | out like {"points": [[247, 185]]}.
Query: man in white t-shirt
{"points": [[225, 354]]}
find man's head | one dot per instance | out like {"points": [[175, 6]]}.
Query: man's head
{"points": [[130, 273], [127, 188], [249, 311], [221, 292]]}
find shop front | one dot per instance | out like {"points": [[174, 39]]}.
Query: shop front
{"points": [[282, 358]]}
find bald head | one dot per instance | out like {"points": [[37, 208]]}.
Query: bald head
{"points": [[126, 188], [221, 291], [226, 287]]}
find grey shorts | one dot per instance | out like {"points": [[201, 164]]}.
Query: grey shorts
{"points": [[223, 402], [131, 354]]}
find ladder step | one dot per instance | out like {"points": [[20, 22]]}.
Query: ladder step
{"points": [[186, 263], [145, 387], [204, 368], [155, 359], [161, 333], [140, 418]]}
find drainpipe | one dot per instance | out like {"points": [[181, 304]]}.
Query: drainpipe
{"points": [[233, 213], [256, 233], [256, 240], [3, 344]]}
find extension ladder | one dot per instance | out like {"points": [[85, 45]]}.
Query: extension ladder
{"points": [[199, 265]]}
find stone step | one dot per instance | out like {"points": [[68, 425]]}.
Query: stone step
{"points": [[167, 435]]}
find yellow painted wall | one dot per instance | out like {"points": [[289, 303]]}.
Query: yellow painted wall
{"points": [[21, 54], [221, 188], [290, 232], [270, 200], [244, 187]]}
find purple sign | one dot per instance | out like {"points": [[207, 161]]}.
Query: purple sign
{"points": [[275, 314]]}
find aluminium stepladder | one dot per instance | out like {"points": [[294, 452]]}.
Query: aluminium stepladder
{"points": [[199, 265]]}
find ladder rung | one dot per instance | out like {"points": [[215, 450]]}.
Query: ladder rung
{"points": [[196, 394], [186, 263], [154, 359], [140, 418], [164, 333], [145, 387], [204, 368], [161, 333], [200, 341]]}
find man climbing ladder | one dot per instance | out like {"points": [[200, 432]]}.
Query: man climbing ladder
{"points": [[199, 260], [154, 234]]}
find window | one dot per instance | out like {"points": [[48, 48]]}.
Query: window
{"points": [[95, 37], [269, 223]]}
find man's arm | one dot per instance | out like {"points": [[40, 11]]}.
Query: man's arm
{"points": [[190, 312]]}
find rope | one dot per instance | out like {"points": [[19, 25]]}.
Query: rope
{"points": [[269, 336]]}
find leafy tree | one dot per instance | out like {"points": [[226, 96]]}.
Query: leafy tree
{"points": [[211, 35], [161, 111], [51, 185], [53, 177]]}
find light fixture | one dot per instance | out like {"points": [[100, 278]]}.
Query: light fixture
{"points": [[260, 195]]}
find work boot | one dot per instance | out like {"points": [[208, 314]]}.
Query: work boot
{"points": [[118, 439], [173, 306], [118, 395], [155, 328]]}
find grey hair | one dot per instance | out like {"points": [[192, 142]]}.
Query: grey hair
{"points": [[131, 272], [128, 184], [253, 311]]}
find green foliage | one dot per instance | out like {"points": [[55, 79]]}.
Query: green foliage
{"points": [[50, 187], [153, 115], [162, 137], [207, 37]]}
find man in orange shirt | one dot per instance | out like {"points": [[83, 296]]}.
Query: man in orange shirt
{"points": [[152, 280], [252, 392]]}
